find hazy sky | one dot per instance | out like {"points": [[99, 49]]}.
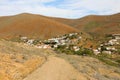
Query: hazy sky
{"points": [[60, 8]]}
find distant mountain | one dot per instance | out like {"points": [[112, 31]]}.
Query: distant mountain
{"points": [[94, 24], [43, 27], [33, 26]]}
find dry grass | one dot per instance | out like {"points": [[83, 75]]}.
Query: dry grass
{"points": [[18, 60], [16, 67], [92, 67]]}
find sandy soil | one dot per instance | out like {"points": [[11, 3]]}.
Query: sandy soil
{"points": [[56, 69]]}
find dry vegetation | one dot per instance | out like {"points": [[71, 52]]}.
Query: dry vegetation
{"points": [[95, 25], [34, 26], [40, 26], [16, 67], [92, 68], [18, 60]]}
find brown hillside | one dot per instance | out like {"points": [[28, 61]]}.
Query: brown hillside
{"points": [[100, 24], [97, 25], [32, 26]]}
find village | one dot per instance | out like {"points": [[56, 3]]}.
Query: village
{"points": [[71, 41], [67, 39], [111, 46]]}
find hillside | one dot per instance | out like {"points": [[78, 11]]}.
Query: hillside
{"points": [[24, 61], [94, 24], [43, 27], [100, 25], [31, 25], [19, 60]]}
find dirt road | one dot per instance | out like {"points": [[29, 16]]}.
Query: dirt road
{"points": [[56, 69]]}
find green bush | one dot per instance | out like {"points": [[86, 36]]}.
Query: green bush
{"points": [[73, 37], [118, 51], [79, 52], [84, 51], [108, 61], [118, 61], [61, 46], [103, 48], [88, 51], [36, 42]]}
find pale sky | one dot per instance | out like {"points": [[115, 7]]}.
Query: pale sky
{"points": [[60, 8]]}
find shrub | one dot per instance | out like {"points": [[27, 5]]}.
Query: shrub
{"points": [[88, 51], [118, 51], [80, 52], [118, 61], [103, 48], [36, 42], [61, 46], [84, 51], [73, 37], [108, 61]]}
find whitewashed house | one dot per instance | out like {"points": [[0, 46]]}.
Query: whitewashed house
{"points": [[112, 42], [23, 39], [76, 48], [96, 51], [55, 46], [30, 42], [111, 49], [117, 36], [53, 40]]}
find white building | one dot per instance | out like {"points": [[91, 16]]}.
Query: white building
{"points": [[76, 48], [113, 42], [30, 42], [53, 40], [96, 51], [111, 49], [117, 36], [23, 38]]}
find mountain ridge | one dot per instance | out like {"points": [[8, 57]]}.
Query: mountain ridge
{"points": [[32, 25], [95, 24]]}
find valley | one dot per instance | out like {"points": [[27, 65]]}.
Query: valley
{"points": [[36, 47]]}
